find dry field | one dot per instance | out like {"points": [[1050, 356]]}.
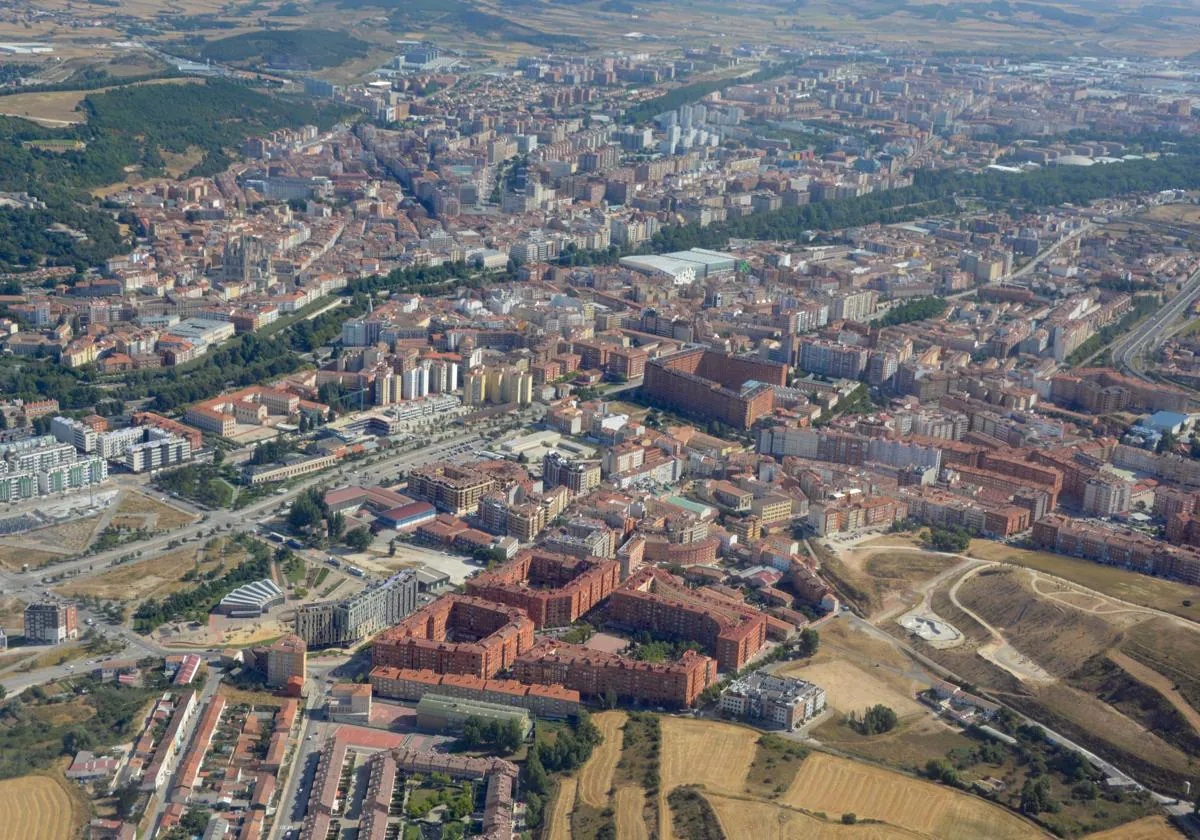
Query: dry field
{"points": [[58, 714], [156, 576], [39, 807], [13, 557], [12, 612], [163, 516], [595, 779], [559, 818], [72, 536], [837, 786], [53, 108], [629, 801], [764, 821], [1147, 675], [1157, 593], [1147, 828], [849, 688], [696, 752]]}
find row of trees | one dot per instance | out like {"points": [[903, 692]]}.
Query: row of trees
{"points": [[570, 750]]}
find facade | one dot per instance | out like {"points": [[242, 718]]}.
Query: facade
{"points": [[362, 614], [349, 703], [577, 476], [50, 622], [779, 701]]}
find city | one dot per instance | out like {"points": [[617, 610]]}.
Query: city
{"points": [[598, 420]]}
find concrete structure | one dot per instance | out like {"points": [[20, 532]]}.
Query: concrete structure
{"points": [[349, 703]]}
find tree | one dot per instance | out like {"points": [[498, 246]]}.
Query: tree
{"points": [[1035, 796], [875, 721], [304, 513], [359, 539], [808, 643]]}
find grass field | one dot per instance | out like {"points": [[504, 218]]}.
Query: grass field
{"points": [[55, 108], [58, 714], [39, 807], [595, 778], [907, 747], [1160, 594], [558, 820], [838, 786]]}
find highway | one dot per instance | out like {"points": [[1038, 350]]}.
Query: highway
{"points": [[1129, 349]]}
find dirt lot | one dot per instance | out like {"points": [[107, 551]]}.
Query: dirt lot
{"points": [[72, 536], [595, 779], [837, 786], [1160, 594], [151, 514], [39, 807]]}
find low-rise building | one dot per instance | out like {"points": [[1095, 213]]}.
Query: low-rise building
{"points": [[780, 701]]}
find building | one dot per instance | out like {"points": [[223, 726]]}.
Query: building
{"points": [[655, 600], [287, 657], [252, 600], [457, 634], [50, 622], [451, 488], [349, 703], [553, 589], [439, 713], [347, 621], [778, 701], [597, 674], [577, 476], [546, 701], [735, 390]]}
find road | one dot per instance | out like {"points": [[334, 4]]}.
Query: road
{"points": [[24, 584], [1129, 349], [1046, 253], [205, 695]]}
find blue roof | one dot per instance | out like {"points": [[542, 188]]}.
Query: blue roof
{"points": [[1165, 419]]}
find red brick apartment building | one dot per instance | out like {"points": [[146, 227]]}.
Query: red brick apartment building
{"points": [[457, 634], [595, 673], [553, 589], [655, 600], [1116, 546], [710, 384]]}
